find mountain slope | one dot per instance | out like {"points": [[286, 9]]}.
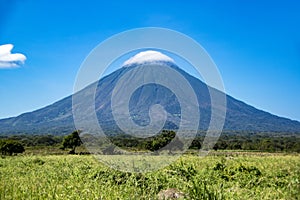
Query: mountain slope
{"points": [[58, 119]]}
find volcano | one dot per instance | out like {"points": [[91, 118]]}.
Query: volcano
{"points": [[58, 118]]}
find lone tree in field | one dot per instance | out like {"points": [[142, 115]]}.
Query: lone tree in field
{"points": [[72, 141], [10, 147]]}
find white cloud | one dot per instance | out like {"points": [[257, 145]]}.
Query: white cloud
{"points": [[8, 59], [148, 56]]}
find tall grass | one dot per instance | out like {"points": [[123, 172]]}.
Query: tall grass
{"points": [[212, 177]]}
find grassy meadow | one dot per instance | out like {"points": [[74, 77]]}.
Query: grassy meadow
{"points": [[225, 175]]}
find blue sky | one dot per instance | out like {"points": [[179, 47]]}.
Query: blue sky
{"points": [[255, 44]]}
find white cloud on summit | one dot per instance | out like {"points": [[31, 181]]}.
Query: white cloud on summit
{"points": [[148, 56], [8, 59]]}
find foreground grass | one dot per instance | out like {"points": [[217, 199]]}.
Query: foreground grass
{"points": [[238, 176]]}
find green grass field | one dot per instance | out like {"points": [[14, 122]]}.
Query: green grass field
{"points": [[218, 176]]}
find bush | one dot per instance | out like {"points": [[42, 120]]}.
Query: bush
{"points": [[10, 147]]}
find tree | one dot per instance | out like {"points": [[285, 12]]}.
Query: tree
{"points": [[72, 141], [9, 147], [161, 140]]}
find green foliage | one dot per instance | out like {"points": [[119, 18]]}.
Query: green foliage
{"points": [[38, 161], [36, 140], [256, 142], [203, 190], [266, 142], [10, 147], [246, 141], [157, 142], [72, 141], [153, 143], [213, 177], [46, 140]]}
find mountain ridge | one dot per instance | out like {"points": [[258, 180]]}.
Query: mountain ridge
{"points": [[57, 118]]}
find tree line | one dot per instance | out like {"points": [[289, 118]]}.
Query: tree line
{"points": [[10, 145], [247, 142]]}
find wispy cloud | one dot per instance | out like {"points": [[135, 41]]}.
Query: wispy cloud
{"points": [[8, 59]]}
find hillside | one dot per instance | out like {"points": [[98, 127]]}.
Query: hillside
{"points": [[58, 118]]}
